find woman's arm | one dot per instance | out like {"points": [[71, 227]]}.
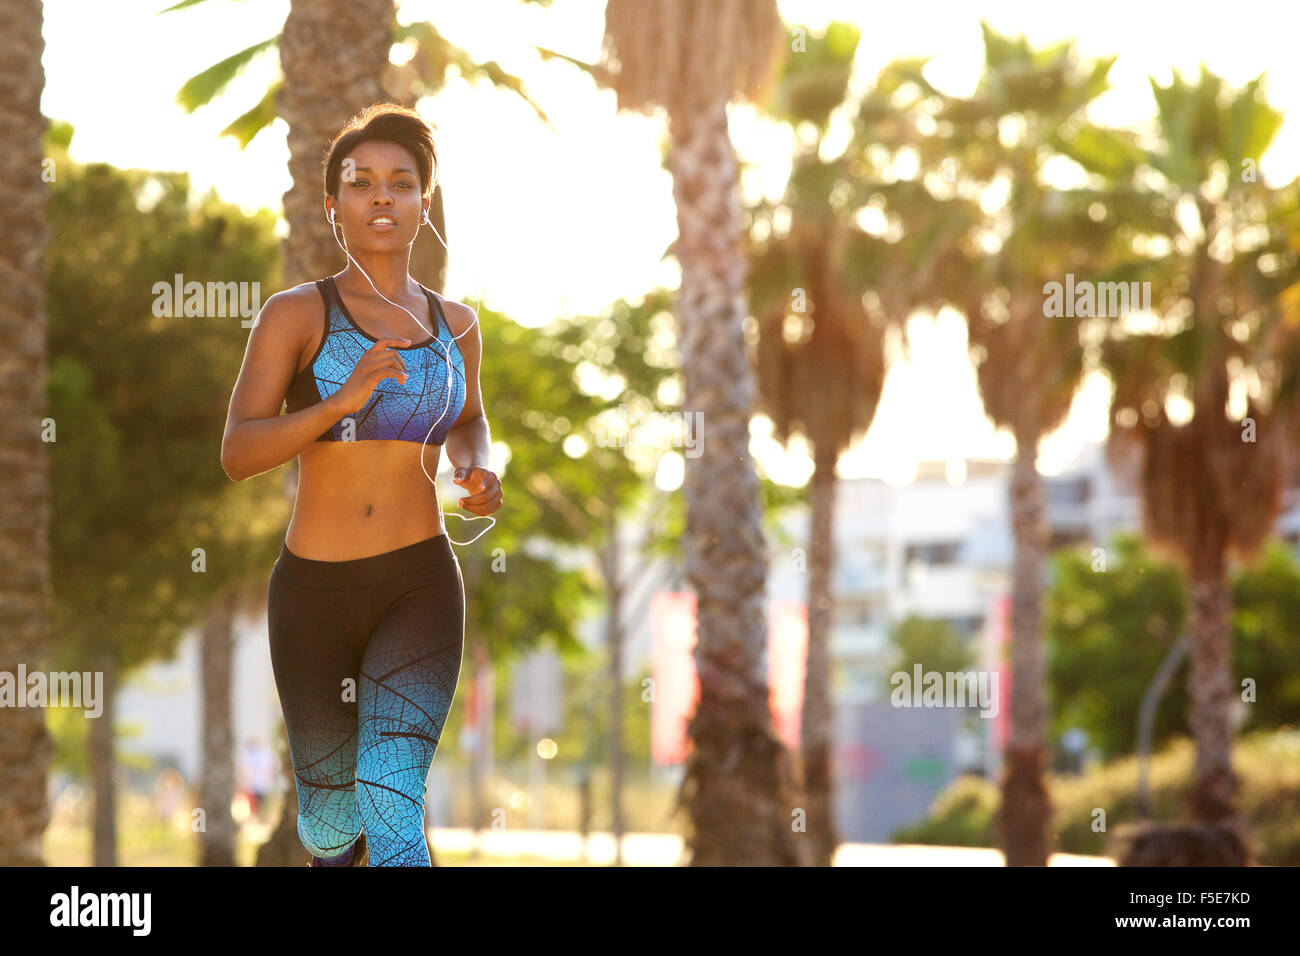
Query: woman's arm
{"points": [[469, 441], [257, 437]]}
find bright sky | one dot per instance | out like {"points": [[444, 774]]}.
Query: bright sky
{"points": [[531, 214]]}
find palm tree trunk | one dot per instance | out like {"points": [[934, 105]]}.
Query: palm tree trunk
{"points": [[25, 590], [1213, 796], [1025, 813], [333, 56], [102, 767], [614, 637], [282, 847], [217, 780], [816, 723], [428, 257], [738, 781]]}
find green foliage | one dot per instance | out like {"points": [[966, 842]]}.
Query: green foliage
{"points": [[70, 731], [1267, 764], [1266, 603], [583, 737], [139, 407], [962, 815], [1206, 122], [931, 643], [811, 84], [1107, 632]]}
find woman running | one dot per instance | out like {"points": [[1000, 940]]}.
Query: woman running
{"points": [[366, 603]]}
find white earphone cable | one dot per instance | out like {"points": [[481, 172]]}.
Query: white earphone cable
{"points": [[335, 229]]}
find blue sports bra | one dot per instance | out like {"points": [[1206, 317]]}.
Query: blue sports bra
{"points": [[394, 412]]}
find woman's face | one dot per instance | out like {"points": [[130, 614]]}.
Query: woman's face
{"points": [[377, 181]]}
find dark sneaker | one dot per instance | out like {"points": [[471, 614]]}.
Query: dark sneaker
{"points": [[360, 855]]}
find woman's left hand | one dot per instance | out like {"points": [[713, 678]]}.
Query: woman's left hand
{"points": [[485, 487]]}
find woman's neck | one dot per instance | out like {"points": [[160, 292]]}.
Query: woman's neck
{"points": [[390, 275]]}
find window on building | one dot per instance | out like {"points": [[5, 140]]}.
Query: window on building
{"points": [[1069, 491], [933, 552]]}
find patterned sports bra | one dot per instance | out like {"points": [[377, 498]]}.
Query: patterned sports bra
{"points": [[394, 412]]}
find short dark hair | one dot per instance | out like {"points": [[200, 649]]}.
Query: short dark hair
{"points": [[389, 123]]}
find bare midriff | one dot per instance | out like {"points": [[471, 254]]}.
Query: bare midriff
{"points": [[361, 498]]}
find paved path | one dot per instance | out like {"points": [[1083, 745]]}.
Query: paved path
{"points": [[659, 849]]}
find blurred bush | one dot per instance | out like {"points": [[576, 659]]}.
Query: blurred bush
{"points": [[1267, 765]]}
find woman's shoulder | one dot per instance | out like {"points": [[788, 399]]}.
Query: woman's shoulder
{"points": [[295, 311], [302, 295], [459, 316]]}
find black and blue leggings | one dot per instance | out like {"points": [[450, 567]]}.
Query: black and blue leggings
{"points": [[366, 655]]}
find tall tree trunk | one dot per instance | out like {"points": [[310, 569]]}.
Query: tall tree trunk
{"points": [[738, 782], [102, 769], [816, 722], [1025, 813], [1213, 795], [428, 257], [25, 591], [614, 637], [333, 55], [282, 847], [217, 778]]}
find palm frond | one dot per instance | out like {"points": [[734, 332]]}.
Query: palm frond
{"points": [[594, 70], [202, 88], [249, 124], [186, 3]]}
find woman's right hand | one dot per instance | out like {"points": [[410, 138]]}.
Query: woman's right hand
{"points": [[377, 363]]}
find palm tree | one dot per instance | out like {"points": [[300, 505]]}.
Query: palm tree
{"points": [[426, 72], [1228, 354], [689, 58], [820, 351], [1029, 359], [25, 606]]}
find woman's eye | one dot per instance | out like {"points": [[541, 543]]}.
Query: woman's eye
{"points": [[360, 182]]}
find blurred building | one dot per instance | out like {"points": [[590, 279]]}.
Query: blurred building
{"points": [[159, 707], [940, 547]]}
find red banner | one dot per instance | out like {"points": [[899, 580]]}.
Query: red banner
{"points": [[787, 653], [677, 686]]}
